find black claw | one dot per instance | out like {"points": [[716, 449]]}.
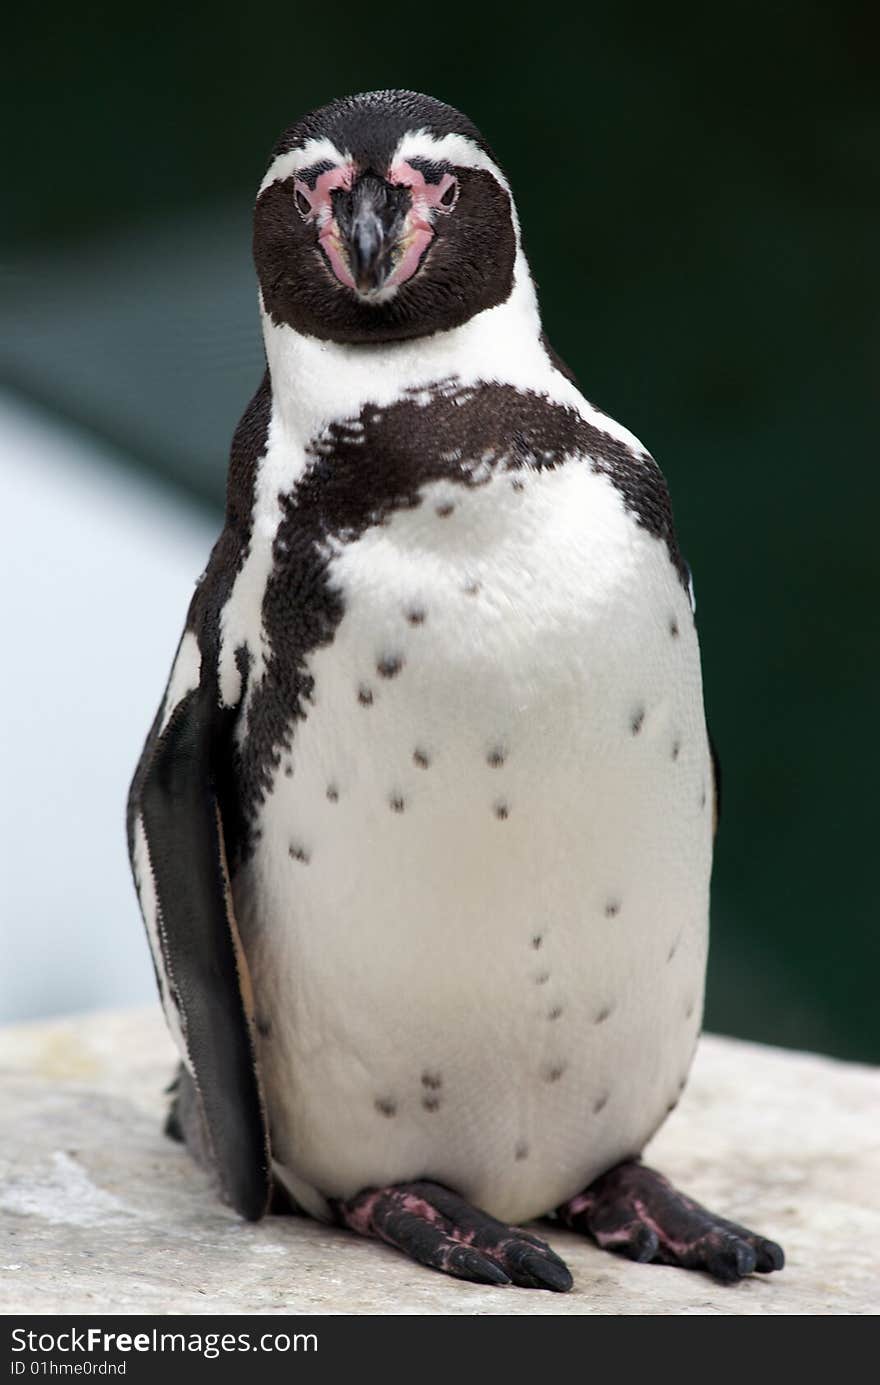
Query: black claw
{"points": [[731, 1263], [533, 1265], [465, 1263], [536, 1271], [769, 1257], [642, 1245]]}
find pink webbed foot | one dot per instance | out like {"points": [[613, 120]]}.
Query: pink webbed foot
{"points": [[636, 1212], [438, 1228]]}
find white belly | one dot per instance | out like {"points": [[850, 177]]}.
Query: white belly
{"points": [[476, 917]]}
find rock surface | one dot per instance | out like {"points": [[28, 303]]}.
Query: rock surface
{"points": [[99, 1213]]}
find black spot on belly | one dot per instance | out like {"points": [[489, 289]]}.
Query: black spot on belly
{"points": [[501, 811], [397, 803], [603, 1014], [432, 1080], [415, 615], [389, 666], [431, 1103], [365, 695], [555, 1013], [612, 908], [637, 720], [676, 749], [288, 770], [264, 1028], [542, 978], [385, 1106], [421, 759], [516, 484], [521, 1152], [332, 793], [297, 852], [445, 510], [600, 1103], [496, 757], [553, 1071], [672, 951], [471, 588], [673, 627], [537, 941]]}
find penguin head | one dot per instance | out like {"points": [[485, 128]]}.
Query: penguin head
{"points": [[383, 217]]}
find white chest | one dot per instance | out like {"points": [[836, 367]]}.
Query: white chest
{"points": [[476, 916]]}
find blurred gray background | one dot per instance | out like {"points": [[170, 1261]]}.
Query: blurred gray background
{"points": [[699, 191]]}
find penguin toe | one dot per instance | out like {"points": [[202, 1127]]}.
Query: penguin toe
{"points": [[464, 1263], [730, 1252], [726, 1258], [641, 1245], [534, 1267], [437, 1228], [769, 1256], [631, 1239]]}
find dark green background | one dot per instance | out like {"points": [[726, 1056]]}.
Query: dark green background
{"points": [[698, 187]]}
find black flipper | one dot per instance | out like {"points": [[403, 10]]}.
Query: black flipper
{"points": [[201, 969]]}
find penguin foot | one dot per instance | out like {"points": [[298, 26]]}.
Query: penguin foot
{"points": [[436, 1227], [636, 1212]]}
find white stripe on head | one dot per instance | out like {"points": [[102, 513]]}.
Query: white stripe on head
{"points": [[454, 149], [314, 151]]}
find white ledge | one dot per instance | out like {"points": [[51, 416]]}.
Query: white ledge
{"points": [[100, 1213]]}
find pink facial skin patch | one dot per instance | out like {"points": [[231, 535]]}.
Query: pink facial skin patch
{"points": [[418, 228], [320, 212]]}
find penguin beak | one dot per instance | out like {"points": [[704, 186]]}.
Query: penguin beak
{"points": [[371, 219], [368, 252]]}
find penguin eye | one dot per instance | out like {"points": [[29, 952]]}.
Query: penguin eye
{"points": [[450, 196], [303, 206]]}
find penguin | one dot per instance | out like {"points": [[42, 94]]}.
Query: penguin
{"points": [[422, 831]]}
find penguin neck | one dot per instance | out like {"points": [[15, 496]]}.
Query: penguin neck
{"points": [[315, 382]]}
